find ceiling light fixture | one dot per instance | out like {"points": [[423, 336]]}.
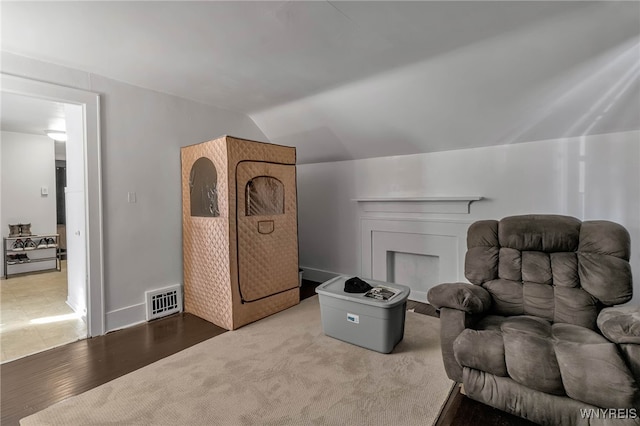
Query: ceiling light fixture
{"points": [[57, 135]]}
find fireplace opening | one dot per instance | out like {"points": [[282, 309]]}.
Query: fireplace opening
{"points": [[418, 271]]}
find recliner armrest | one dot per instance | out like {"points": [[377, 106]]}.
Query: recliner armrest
{"points": [[620, 324], [469, 298]]}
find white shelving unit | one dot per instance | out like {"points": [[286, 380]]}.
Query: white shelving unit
{"points": [[7, 249]]}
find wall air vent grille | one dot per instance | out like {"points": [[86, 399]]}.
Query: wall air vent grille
{"points": [[163, 302]]}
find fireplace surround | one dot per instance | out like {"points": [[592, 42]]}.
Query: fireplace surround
{"points": [[407, 241]]}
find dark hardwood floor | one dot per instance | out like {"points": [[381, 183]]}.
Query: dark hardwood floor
{"points": [[30, 384]]}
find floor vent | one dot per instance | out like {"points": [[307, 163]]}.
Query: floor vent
{"points": [[163, 302]]}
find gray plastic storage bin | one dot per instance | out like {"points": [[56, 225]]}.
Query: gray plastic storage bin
{"points": [[373, 324]]}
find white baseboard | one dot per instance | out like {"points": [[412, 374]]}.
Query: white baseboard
{"points": [[318, 275], [125, 317]]}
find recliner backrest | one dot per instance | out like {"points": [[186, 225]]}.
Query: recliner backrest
{"points": [[550, 266]]}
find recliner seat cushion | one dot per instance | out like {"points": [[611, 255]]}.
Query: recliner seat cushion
{"points": [[631, 353], [481, 350], [482, 347], [529, 354], [592, 369], [559, 359], [545, 409]]}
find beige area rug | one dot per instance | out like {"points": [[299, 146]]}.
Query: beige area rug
{"points": [[281, 370]]}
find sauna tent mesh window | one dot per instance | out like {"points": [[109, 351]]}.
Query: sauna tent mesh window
{"points": [[265, 196], [203, 188]]}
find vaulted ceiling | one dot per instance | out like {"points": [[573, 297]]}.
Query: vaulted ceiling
{"points": [[343, 80]]}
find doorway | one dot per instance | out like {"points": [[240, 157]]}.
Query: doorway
{"points": [[43, 295], [88, 231]]}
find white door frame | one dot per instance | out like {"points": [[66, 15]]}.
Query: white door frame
{"points": [[90, 103]]}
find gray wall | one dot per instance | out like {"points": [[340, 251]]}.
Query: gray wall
{"points": [[591, 177], [27, 166]]}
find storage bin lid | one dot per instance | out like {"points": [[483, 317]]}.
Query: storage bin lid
{"points": [[335, 288]]}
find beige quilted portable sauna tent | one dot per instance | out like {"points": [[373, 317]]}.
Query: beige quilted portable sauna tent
{"points": [[240, 231]]}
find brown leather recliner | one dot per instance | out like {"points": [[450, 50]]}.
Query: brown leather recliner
{"points": [[535, 334]]}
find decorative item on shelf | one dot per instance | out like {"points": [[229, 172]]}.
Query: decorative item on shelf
{"points": [[20, 230], [25, 229], [14, 231], [18, 245], [29, 244]]}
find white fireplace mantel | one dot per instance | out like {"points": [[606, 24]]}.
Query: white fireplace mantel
{"points": [[416, 241], [453, 205]]}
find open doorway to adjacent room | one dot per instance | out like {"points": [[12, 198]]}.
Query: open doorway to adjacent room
{"points": [[43, 290]]}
